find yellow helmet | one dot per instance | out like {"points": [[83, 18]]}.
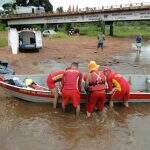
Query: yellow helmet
{"points": [[93, 66]]}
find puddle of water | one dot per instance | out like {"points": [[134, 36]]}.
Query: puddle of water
{"points": [[51, 65]]}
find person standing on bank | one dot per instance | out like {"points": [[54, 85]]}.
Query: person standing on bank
{"points": [[96, 84], [100, 44], [138, 41], [71, 85]]}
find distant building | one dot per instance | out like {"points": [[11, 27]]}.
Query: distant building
{"points": [[29, 9]]}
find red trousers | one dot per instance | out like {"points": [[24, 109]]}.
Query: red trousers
{"points": [[96, 97], [72, 95], [121, 95]]}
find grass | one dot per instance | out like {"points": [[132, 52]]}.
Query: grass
{"points": [[3, 39], [89, 30], [119, 31], [61, 35], [130, 31], [93, 30]]}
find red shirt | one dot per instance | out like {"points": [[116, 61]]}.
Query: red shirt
{"points": [[97, 81], [116, 80], [54, 77], [71, 79]]}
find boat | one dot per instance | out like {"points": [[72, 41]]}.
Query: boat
{"points": [[140, 89]]}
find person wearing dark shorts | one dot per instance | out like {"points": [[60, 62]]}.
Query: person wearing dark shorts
{"points": [[100, 44]]}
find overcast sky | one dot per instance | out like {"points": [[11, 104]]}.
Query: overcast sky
{"points": [[85, 3], [92, 3]]}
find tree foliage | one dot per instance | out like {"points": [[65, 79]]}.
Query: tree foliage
{"points": [[8, 8], [21, 2], [44, 3], [47, 5], [60, 10]]}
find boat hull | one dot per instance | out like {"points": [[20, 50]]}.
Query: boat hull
{"points": [[45, 96]]}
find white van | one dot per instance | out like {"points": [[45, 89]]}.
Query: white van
{"points": [[24, 40]]}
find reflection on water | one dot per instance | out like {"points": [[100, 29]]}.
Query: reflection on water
{"points": [[133, 63], [143, 57], [33, 126], [137, 58]]}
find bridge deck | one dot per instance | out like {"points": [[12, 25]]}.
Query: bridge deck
{"points": [[111, 9]]}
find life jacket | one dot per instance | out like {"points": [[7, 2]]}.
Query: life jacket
{"points": [[117, 80], [97, 81], [71, 79]]}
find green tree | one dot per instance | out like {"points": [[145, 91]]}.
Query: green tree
{"points": [[8, 8], [44, 3], [59, 10], [21, 2]]}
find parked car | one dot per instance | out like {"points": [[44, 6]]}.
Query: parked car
{"points": [[49, 33], [73, 31]]}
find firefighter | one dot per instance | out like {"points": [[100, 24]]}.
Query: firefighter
{"points": [[51, 81], [118, 87], [71, 85], [96, 83]]}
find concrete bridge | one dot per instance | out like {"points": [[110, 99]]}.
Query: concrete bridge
{"points": [[107, 14]]}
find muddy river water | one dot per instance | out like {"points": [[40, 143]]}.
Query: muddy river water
{"points": [[31, 126]]}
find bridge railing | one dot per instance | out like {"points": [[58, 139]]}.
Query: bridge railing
{"points": [[81, 10]]}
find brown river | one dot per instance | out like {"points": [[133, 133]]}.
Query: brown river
{"points": [[31, 126]]}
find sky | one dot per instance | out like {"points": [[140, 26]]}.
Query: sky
{"points": [[91, 3], [85, 3]]}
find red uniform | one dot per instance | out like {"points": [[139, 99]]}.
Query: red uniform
{"points": [[122, 87], [54, 77], [97, 88], [71, 86]]}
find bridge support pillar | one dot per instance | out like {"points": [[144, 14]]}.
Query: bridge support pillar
{"points": [[111, 29], [103, 28]]}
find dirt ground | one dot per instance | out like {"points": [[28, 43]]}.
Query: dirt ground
{"points": [[79, 49]]}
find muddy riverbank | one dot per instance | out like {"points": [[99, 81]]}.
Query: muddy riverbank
{"points": [[65, 51]]}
